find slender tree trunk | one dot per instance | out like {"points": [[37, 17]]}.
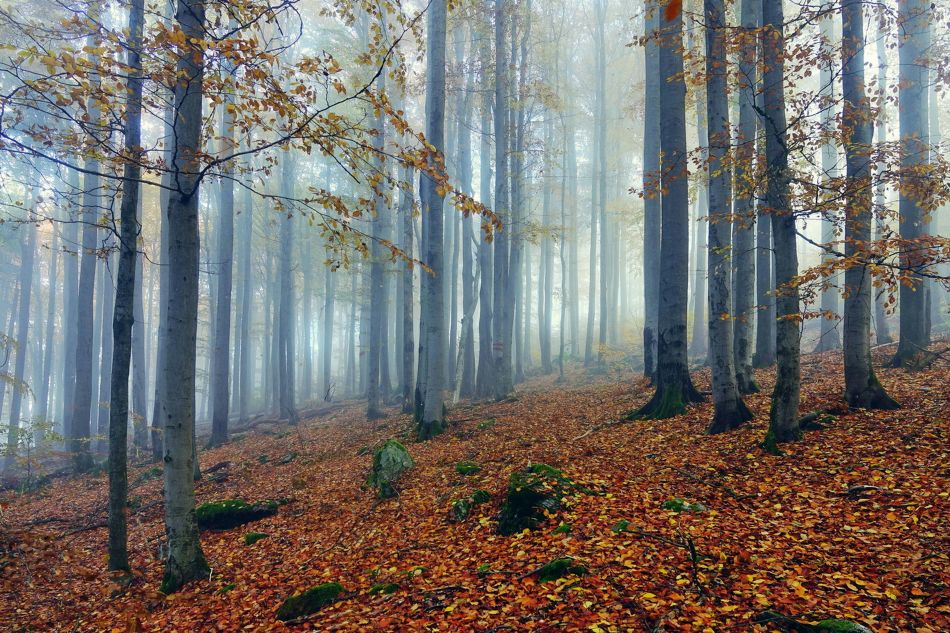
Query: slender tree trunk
{"points": [[881, 329], [431, 423], [600, 123], [914, 18], [124, 311], [44, 395], [377, 295], [285, 306], [484, 379], [783, 422], [861, 387], [466, 241], [246, 310], [674, 387], [546, 268], [185, 560], [70, 309], [828, 338], [730, 410], [406, 291], [743, 247], [502, 318], [107, 294], [221, 376], [27, 252], [139, 355]]}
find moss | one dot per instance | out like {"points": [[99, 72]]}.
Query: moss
{"points": [[228, 587], [486, 424], [679, 505], [560, 567], [390, 461], [467, 468], [262, 459], [309, 601], [841, 626], [383, 588], [483, 569], [620, 526], [252, 537], [534, 493], [230, 513], [462, 508], [289, 457], [152, 473], [564, 528], [770, 444]]}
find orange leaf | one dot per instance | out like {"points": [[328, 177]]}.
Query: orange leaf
{"points": [[673, 9]]}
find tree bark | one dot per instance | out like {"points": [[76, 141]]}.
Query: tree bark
{"points": [[861, 387]]}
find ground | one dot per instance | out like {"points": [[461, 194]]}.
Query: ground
{"points": [[852, 522]]}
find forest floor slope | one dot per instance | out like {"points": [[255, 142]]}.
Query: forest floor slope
{"points": [[852, 522]]}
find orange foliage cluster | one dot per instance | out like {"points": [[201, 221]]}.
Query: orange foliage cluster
{"points": [[781, 533]]}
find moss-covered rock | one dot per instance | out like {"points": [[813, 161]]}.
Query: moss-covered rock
{"points": [[390, 461], [786, 623], [467, 468], [841, 626], [252, 537], [310, 601], [679, 505], [383, 588], [462, 508], [560, 567], [231, 513], [534, 493]]}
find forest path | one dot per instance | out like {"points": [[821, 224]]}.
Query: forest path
{"points": [[778, 533]]}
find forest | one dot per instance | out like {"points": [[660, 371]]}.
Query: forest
{"points": [[475, 315]]}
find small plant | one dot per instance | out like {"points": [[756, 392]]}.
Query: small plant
{"points": [[483, 570], [620, 526], [564, 528], [484, 425], [225, 589], [383, 588]]}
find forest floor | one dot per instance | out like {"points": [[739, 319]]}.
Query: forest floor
{"points": [[772, 532]]}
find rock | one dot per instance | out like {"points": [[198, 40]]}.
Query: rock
{"points": [[558, 568], [467, 468], [532, 493], [390, 461], [224, 515], [309, 602], [252, 537], [462, 508]]}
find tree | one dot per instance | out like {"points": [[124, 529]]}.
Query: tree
{"points": [[431, 420], [914, 19], [185, 560], [674, 387], [124, 307], [743, 230], [652, 191], [828, 338], [484, 378], [730, 410], [862, 388], [783, 417], [221, 376]]}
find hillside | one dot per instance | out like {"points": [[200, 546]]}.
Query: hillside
{"points": [[850, 523]]}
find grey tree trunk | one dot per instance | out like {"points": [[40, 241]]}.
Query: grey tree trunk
{"points": [[431, 423], [829, 338], [124, 310], [185, 560], [27, 252], [743, 230], [730, 410], [881, 329], [783, 421], [674, 387], [43, 394], [107, 295], [600, 9], [466, 241], [70, 310], [80, 419], [861, 387], [484, 379], [652, 191], [546, 269], [377, 295], [329, 307], [140, 331], [287, 406], [502, 318], [914, 17], [224, 265]]}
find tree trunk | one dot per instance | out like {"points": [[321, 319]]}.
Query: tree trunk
{"points": [[124, 311], [70, 309], [484, 378], [881, 329], [674, 387], [285, 309], [27, 253], [914, 18], [185, 560], [743, 247], [783, 422], [431, 423], [861, 387], [730, 410]]}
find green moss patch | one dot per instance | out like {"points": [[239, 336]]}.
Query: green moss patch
{"points": [[679, 505], [310, 601], [231, 513], [252, 537], [467, 468], [559, 568], [462, 508], [383, 588]]}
